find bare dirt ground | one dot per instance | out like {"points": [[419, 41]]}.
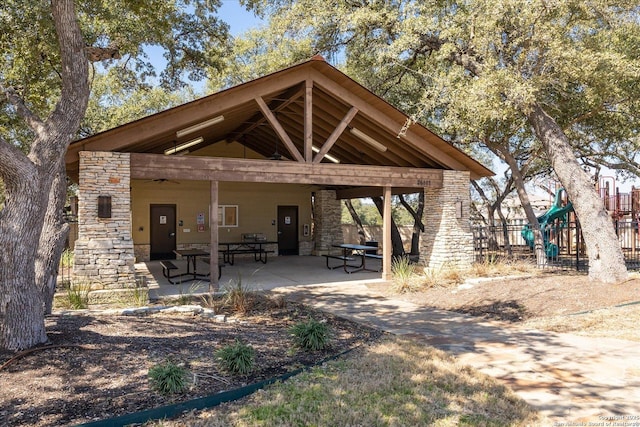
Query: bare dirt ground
{"points": [[524, 297], [96, 366]]}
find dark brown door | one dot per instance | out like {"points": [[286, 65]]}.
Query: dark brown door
{"points": [[163, 231], [287, 230]]}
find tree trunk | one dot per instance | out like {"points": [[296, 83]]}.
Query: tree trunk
{"points": [[21, 304], [28, 181], [356, 219], [396, 238], [505, 231], [518, 179], [418, 226], [606, 261], [52, 240], [492, 237]]}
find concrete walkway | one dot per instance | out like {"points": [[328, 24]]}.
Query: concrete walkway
{"points": [[572, 380]]}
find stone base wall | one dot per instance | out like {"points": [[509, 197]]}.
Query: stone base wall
{"points": [[305, 248], [104, 252], [327, 221], [447, 240], [115, 297], [200, 246], [142, 252]]}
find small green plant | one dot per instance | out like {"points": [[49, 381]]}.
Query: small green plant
{"points": [[237, 358], [66, 260], [168, 378], [311, 335], [78, 295], [139, 296], [403, 275], [186, 298]]}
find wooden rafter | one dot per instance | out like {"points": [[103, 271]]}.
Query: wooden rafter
{"points": [[335, 134], [383, 120], [308, 120], [289, 97], [277, 126]]}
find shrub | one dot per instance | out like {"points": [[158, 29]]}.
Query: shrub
{"points": [[237, 358], [311, 335], [78, 294], [403, 275], [239, 298], [168, 377]]}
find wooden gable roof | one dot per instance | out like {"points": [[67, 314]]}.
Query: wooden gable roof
{"points": [[309, 112]]}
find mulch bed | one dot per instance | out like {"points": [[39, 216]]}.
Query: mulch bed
{"points": [[97, 365]]}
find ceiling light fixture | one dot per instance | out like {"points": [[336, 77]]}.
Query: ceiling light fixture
{"points": [[326, 156], [366, 138], [199, 126], [174, 150]]}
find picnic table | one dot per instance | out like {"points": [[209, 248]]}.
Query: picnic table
{"points": [[191, 255], [255, 247], [351, 252]]}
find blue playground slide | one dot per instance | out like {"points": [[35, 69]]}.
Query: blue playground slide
{"points": [[546, 220]]}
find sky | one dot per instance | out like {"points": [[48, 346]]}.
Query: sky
{"points": [[237, 17]]}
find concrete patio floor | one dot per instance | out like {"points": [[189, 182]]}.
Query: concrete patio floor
{"points": [[279, 271]]}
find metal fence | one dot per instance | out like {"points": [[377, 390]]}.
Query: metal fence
{"points": [[564, 244]]}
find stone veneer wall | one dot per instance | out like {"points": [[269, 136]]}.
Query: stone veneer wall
{"points": [[142, 252], [104, 254], [447, 240], [327, 221]]}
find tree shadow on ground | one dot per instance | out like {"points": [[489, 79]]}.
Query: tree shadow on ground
{"points": [[509, 311]]}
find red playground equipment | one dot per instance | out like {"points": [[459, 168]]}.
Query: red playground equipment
{"points": [[619, 205]]}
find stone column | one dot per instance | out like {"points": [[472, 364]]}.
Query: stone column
{"points": [[104, 254], [327, 213], [447, 239]]}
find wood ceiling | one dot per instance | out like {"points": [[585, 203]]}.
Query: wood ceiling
{"points": [[278, 113]]}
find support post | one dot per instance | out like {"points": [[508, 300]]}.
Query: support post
{"points": [[213, 229], [386, 235], [308, 121]]}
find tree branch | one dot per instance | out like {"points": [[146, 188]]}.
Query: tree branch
{"points": [[12, 161], [16, 100], [63, 123], [97, 54]]}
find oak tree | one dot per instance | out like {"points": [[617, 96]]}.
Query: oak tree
{"points": [[46, 49]]}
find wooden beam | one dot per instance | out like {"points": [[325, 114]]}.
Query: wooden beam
{"points": [[153, 166], [291, 96], [432, 150], [184, 115], [214, 238], [282, 134], [387, 251], [308, 121], [335, 134], [360, 192]]}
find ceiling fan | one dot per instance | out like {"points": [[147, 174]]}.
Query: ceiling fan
{"points": [[163, 180], [276, 155]]}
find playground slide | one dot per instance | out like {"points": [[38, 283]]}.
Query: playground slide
{"points": [[546, 220]]}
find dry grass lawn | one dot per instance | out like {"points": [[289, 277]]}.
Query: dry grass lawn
{"points": [[616, 322], [397, 382]]}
